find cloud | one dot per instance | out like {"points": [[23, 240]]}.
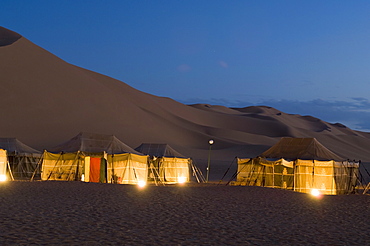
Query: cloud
{"points": [[183, 68], [353, 112]]}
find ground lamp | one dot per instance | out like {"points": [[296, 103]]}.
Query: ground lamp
{"points": [[209, 158], [2, 177]]}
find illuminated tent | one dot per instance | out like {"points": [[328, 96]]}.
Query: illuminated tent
{"points": [[23, 160], [300, 164], [166, 165], [92, 157], [262, 172], [3, 165]]}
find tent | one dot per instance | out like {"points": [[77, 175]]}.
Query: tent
{"points": [[299, 164], [166, 165], [22, 159], [92, 157], [3, 165], [262, 172]]}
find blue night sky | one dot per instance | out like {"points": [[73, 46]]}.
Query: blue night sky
{"points": [[303, 57]]}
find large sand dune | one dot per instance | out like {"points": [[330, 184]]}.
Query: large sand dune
{"points": [[47, 101]]}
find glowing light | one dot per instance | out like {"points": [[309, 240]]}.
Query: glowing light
{"points": [[141, 183], [211, 141], [2, 178], [83, 177], [181, 180], [315, 192]]}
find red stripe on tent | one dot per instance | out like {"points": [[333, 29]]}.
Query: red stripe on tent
{"points": [[94, 169]]}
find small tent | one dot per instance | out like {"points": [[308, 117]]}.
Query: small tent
{"points": [[300, 164], [23, 160], [92, 157], [167, 165]]}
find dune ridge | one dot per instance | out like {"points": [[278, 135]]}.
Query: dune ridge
{"points": [[47, 101]]}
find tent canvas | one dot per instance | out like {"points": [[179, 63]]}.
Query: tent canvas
{"points": [[262, 172], [3, 165], [167, 165], [62, 166], [308, 162], [127, 168], [94, 143], [300, 148], [86, 157], [23, 160]]}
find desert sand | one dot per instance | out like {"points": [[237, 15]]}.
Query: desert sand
{"points": [[76, 213]]}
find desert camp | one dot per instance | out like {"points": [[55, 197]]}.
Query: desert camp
{"points": [[93, 157], [300, 164], [270, 99]]}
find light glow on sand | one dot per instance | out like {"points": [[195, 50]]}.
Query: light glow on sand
{"points": [[315, 192], [141, 183], [181, 180], [2, 178]]}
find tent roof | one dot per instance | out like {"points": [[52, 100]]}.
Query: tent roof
{"points": [[16, 146], [94, 143], [158, 150], [300, 148]]}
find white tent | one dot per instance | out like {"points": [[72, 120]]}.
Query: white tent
{"points": [[23, 160], [92, 157], [167, 165], [300, 164]]}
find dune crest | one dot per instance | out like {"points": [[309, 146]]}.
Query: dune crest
{"points": [[7, 37], [47, 101]]}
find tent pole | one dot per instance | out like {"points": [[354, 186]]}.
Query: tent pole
{"points": [[113, 180], [236, 174], [74, 161], [52, 171], [250, 175], [10, 171], [37, 166], [160, 166], [194, 172], [273, 175], [154, 175], [366, 188], [105, 157], [313, 173], [226, 171], [294, 175], [357, 177], [198, 172], [24, 170]]}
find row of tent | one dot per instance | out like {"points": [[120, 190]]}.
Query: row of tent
{"points": [[92, 157], [299, 164]]}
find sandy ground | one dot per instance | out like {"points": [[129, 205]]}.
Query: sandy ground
{"points": [[75, 213]]}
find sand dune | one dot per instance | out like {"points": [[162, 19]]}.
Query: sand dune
{"points": [[47, 101]]}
